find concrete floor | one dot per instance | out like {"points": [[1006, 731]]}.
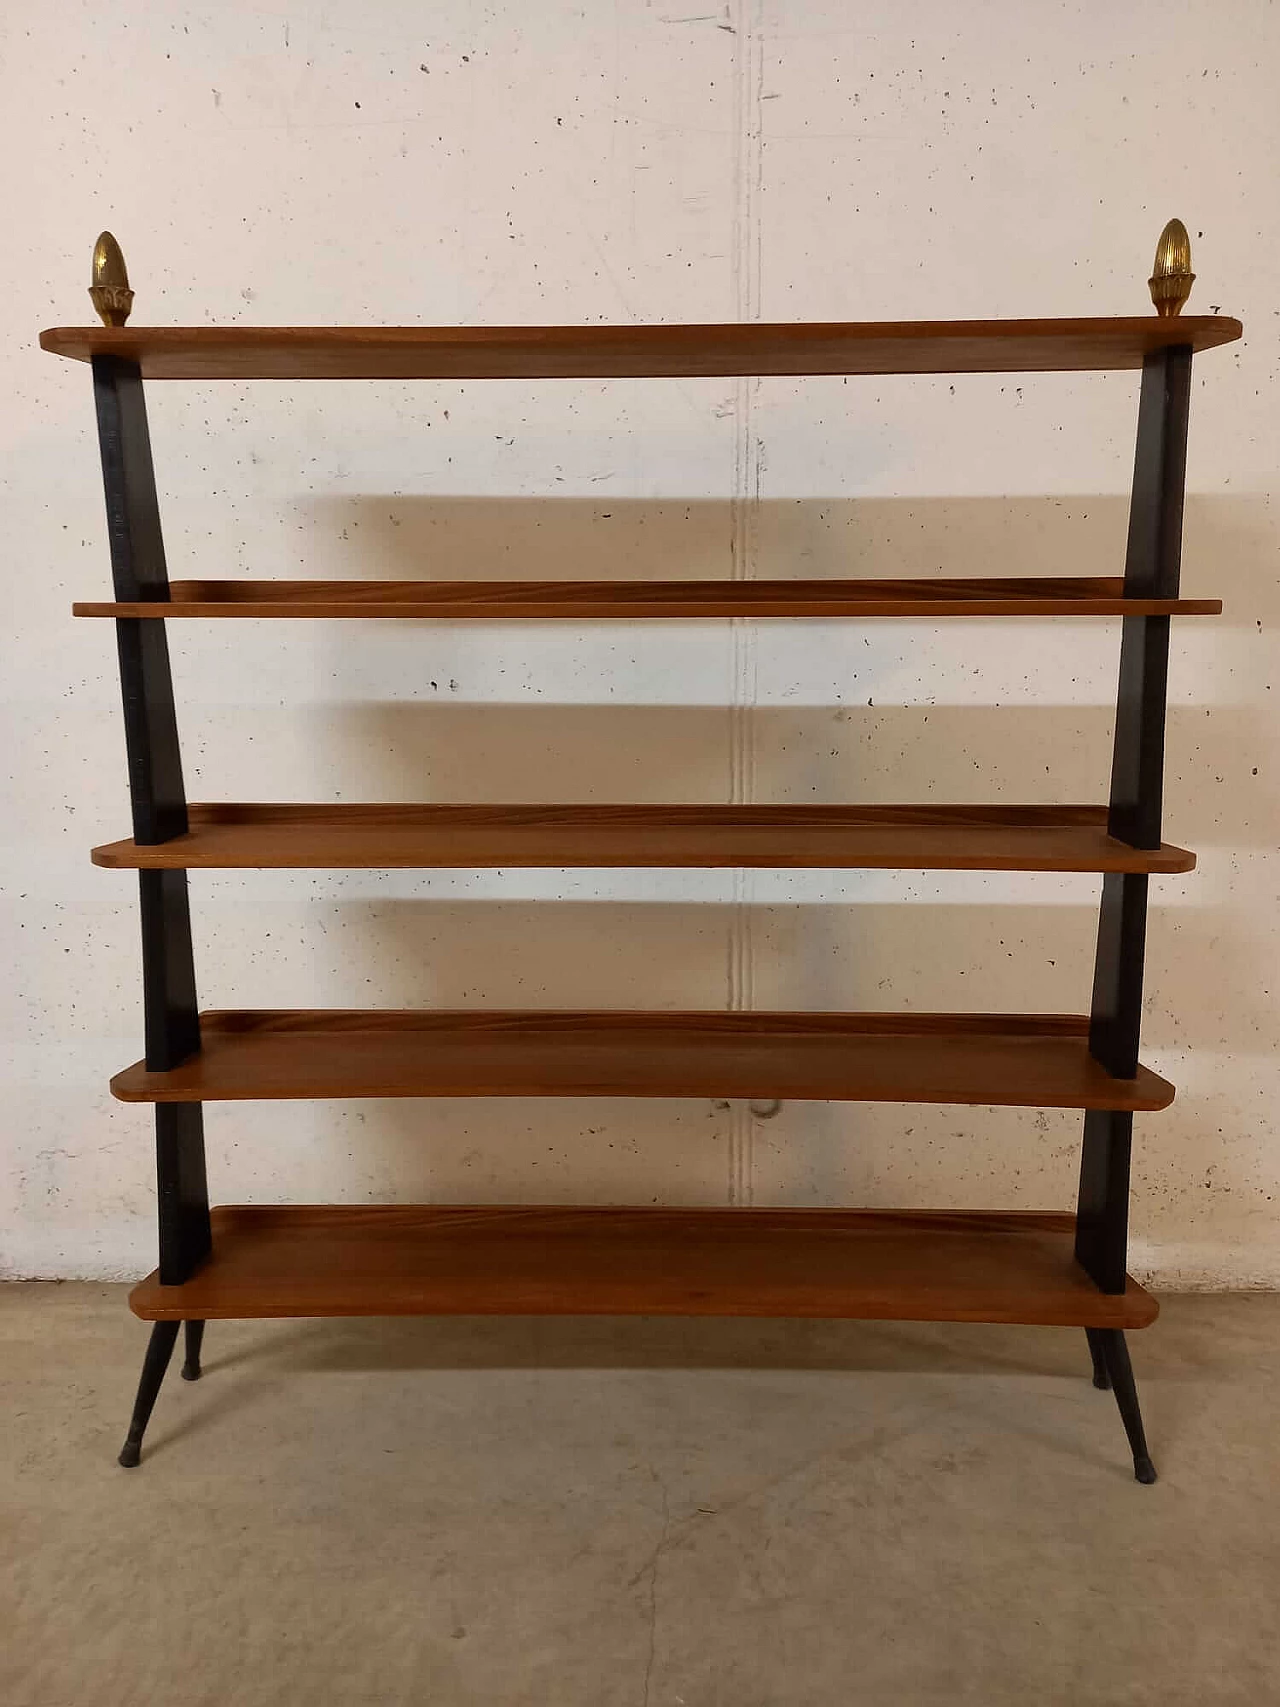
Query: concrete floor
{"points": [[596, 1513]]}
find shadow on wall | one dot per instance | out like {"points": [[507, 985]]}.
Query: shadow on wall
{"points": [[375, 535], [437, 749], [866, 744], [1208, 965], [989, 955]]}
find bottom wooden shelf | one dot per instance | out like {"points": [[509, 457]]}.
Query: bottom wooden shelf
{"points": [[871, 1264]]}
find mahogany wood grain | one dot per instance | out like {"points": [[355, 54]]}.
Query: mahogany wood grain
{"points": [[382, 837], [1036, 1061], [884, 1265], [1044, 595], [599, 352]]}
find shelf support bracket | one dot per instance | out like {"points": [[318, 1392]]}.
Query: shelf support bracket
{"points": [[1152, 570], [159, 804]]}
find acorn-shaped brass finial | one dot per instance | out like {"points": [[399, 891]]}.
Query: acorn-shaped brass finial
{"points": [[109, 292], [1171, 278]]}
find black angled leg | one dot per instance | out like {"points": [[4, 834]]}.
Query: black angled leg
{"points": [[171, 1014], [1099, 1356], [1120, 1370], [1152, 566], [159, 1350], [191, 1368]]}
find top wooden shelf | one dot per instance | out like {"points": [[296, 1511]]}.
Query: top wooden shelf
{"points": [[626, 352]]}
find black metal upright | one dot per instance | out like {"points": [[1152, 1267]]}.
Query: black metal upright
{"points": [[159, 805], [1152, 567]]}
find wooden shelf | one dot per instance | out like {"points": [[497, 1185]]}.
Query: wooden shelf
{"points": [[382, 837], [579, 600], [1036, 1061], [603, 352], [869, 1264]]}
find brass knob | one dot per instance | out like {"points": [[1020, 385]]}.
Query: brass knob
{"points": [[1171, 277], [109, 292]]}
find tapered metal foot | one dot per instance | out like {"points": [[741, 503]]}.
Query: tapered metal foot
{"points": [[1120, 1370], [159, 1350], [191, 1367], [1100, 1377]]}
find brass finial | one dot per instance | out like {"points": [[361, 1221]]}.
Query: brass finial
{"points": [[1171, 278], [109, 292]]}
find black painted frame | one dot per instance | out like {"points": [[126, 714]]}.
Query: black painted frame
{"points": [[159, 805], [1152, 569], [158, 798]]}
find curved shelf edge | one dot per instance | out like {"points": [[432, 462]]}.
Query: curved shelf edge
{"points": [[896, 1265], [1080, 344], [998, 1060], [576, 601], [299, 837]]}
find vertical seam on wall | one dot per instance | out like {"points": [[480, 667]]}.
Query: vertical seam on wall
{"points": [[745, 254]]}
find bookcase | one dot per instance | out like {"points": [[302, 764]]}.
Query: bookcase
{"points": [[1054, 1268]]}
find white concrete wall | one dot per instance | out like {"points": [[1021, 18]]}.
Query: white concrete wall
{"points": [[395, 163]]}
